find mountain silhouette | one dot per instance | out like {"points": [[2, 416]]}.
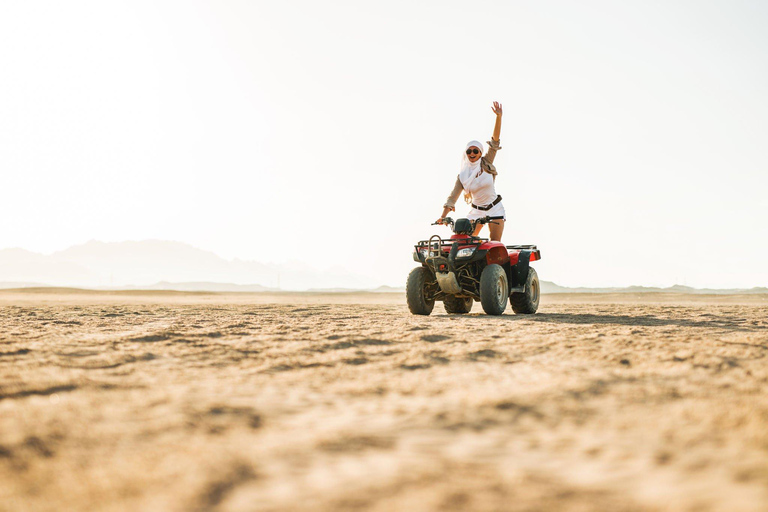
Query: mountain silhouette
{"points": [[148, 262], [165, 265]]}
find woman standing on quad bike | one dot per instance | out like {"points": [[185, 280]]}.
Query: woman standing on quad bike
{"points": [[477, 179]]}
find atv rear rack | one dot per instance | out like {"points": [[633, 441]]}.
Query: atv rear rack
{"points": [[534, 250]]}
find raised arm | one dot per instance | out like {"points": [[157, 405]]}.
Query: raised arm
{"points": [[493, 144], [497, 128]]}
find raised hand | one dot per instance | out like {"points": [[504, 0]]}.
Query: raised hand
{"points": [[496, 108]]}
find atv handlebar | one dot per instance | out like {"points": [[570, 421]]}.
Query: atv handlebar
{"points": [[446, 221], [483, 220]]}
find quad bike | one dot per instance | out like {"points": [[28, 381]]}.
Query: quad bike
{"points": [[467, 268]]}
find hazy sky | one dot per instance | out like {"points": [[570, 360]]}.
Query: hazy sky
{"points": [[329, 133]]}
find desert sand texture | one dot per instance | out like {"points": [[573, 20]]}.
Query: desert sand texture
{"points": [[277, 402]]}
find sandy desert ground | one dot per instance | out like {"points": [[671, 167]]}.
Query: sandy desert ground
{"points": [[173, 401]]}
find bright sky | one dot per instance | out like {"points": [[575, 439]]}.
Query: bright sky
{"points": [[329, 133]]}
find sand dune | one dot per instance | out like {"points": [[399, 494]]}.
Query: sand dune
{"points": [[180, 401]]}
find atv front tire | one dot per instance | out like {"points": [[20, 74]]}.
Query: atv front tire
{"points": [[527, 302], [457, 305], [416, 291], [494, 289]]}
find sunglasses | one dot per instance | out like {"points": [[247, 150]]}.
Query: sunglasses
{"points": [[473, 151]]}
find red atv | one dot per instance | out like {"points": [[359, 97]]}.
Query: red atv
{"points": [[467, 268]]}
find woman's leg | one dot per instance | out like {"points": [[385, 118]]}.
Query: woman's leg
{"points": [[497, 228]]}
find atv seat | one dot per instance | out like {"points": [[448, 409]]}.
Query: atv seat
{"points": [[463, 227]]}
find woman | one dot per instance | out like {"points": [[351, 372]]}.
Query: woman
{"points": [[477, 179]]}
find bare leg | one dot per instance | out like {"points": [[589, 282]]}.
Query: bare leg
{"points": [[497, 228]]}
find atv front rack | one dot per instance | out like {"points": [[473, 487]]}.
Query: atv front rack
{"points": [[469, 241], [449, 242]]}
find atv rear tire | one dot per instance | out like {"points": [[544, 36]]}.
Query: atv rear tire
{"points": [[494, 289], [527, 302], [416, 291], [457, 305]]}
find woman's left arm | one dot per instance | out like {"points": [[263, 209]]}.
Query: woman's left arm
{"points": [[497, 128], [493, 144]]}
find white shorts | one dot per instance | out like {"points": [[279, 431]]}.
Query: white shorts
{"points": [[496, 211]]}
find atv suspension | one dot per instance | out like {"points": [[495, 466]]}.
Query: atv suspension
{"points": [[469, 285]]}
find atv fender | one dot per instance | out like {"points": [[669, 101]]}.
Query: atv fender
{"points": [[497, 253], [519, 266]]}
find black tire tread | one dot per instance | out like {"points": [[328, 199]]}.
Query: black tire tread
{"points": [[457, 305], [414, 292], [488, 296], [523, 303]]}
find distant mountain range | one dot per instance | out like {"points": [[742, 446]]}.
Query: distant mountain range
{"points": [[548, 287], [163, 265], [158, 264]]}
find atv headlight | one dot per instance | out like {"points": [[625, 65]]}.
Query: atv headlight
{"points": [[465, 252]]}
